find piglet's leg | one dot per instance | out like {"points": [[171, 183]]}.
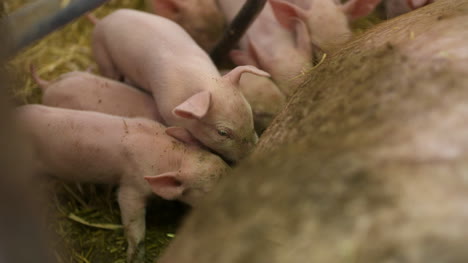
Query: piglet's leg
{"points": [[132, 208]]}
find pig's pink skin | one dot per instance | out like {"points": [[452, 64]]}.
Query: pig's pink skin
{"points": [[398, 7], [202, 19], [174, 70], [419, 3], [282, 52], [85, 91], [84, 146], [355, 9], [326, 20]]}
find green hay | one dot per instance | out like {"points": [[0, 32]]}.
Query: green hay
{"points": [[63, 51]]}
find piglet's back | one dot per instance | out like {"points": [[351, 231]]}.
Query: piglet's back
{"points": [[138, 41], [86, 146]]}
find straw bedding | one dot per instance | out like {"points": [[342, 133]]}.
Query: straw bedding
{"points": [[85, 217]]}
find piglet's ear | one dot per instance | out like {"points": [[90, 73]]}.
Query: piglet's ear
{"points": [[286, 13], [166, 185], [355, 9], [194, 107], [166, 8], [182, 135], [303, 41], [234, 75]]}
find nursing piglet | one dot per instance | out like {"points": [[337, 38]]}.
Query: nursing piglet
{"points": [[202, 19], [86, 91], [282, 52], [327, 20], [135, 153], [159, 56]]}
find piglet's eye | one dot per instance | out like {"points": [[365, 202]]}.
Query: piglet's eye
{"points": [[223, 133]]}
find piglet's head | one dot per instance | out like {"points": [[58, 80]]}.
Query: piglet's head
{"points": [[199, 172], [220, 117]]}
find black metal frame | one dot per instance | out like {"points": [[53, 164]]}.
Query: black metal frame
{"points": [[77, 8]]}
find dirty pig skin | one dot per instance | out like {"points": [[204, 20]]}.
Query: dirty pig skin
{"points": [[187, 87], [135, 153]]}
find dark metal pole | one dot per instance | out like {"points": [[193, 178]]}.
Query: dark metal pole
{"points": [[46, 25], [236, 29]]}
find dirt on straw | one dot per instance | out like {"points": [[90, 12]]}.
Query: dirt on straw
{"points": [[82, 214]]}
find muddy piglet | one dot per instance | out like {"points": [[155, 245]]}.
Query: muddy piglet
{"points": [[187, 87], [135, 153], [85, 91], [202, 19]]}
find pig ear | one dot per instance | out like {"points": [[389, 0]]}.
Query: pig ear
{"points": [[182, 135], [286, 13], [194, 107], [166, 8], [303, 41], [355, 9], [166, 185], [234, 75]]}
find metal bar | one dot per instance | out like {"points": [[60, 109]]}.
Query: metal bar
{"points": [[46, 25], [236, 29]]}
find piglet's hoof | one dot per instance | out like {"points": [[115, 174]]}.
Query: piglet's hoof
{"points": [[138, 256]]}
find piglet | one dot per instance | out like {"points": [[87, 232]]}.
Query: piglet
{"points": [[187, 87], [136, 153], [86, 91], [327, 20], [282, 52], [202, 19]]}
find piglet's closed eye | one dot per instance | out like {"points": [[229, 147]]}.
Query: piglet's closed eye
{"points": [[166, 185]]}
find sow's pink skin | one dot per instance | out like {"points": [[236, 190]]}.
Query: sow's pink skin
{"points": [[85, 91], [135, 153], [188, 89], [282, 52], [202, 19]]}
